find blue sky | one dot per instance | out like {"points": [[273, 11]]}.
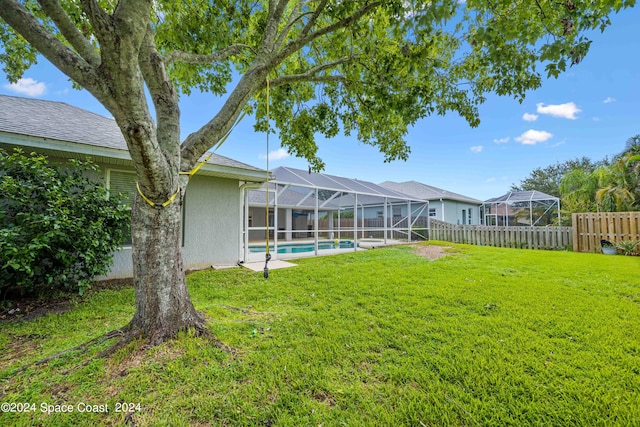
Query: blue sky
{"points": [[591, 110]]}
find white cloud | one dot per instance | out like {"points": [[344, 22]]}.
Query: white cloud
{"points": [[27, 87], [278, 154], [565, 111], [533, 137], [495, 179], [501, 140], [528, 117], [476, 149], [609, 100]]}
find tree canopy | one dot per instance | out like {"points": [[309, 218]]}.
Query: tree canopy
{"points": [[548, 179], [368, 68], [612, 187]]}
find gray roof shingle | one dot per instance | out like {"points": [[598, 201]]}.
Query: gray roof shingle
{"points": [[427, 192], [58, 120], [63, 122]]}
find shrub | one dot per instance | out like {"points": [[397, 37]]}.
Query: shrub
{"points": [[58, 228], [628, 247]]}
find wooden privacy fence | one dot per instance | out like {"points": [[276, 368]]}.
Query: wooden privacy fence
{"points": [[503, 236], [590, 228]]}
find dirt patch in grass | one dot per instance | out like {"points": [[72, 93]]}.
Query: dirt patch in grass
{"points": [[19, 348], [324, 398], [136, 357], [432, 252], [29, 308]]}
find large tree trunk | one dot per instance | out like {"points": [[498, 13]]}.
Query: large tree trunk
{"points": [[163, 304]]}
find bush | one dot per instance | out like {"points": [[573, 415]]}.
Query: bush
{"points": [[58, 228], [628, 247]]}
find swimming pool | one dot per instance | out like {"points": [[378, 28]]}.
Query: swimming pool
{"points": [[294, 248]]}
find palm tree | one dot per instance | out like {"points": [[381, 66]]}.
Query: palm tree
{"points": [[617, 187], [612, 187], [577, 189], [631, 159], [632, 146]]}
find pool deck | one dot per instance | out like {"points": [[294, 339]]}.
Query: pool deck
{"points": [[363, 244], [273, 265]]}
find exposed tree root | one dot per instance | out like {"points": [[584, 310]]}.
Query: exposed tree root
{"points": [[131, 333], [84, 347], [127, 335]]}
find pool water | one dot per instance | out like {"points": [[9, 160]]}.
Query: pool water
{"points": [[294, 248]]}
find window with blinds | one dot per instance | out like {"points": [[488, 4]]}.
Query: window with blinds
{"points": [[123, 183]]}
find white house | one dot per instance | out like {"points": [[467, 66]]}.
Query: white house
{"points": [[444, 205], [213, 208]]}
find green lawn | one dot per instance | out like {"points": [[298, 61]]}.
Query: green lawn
{"points": [[485, 336]]}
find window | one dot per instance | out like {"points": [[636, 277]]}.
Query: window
{"points": [[123, 183], [397, 211], [469, 216], [432, 212]]}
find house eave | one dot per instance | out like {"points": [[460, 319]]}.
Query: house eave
{"points": [[112, 156]]}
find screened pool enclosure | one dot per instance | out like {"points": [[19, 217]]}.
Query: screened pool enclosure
{"points": [[310, 212], [526, 208]]}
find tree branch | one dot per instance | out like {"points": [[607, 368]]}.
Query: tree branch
{"points": [[293, 18], [196, 144], [68, 61], [311, 74], [97, 17], [193, 58], [296, 78], [70, 32], [314, 18], [128, 62], [275, 15], [163, 95], [298, 43]]}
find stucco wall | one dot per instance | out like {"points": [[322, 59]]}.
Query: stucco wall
{"points": [[453, 212], [211, 227], [212, 222]]}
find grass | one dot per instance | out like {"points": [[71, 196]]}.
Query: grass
{"points": [[486, 336]]}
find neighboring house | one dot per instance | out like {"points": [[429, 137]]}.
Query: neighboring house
{"points": [[443, 205], [213, 207]]}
